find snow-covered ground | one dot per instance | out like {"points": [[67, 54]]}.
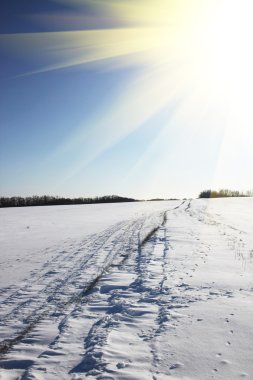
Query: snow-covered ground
{"points": [[31, 235], [150, 290]]}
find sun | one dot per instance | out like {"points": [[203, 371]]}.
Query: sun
{"points": [[211, 43], [229, 40]]}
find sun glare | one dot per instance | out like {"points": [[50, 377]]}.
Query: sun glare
{"points": [[195, 51], [211, 43], [229, 41], [208, 41]]}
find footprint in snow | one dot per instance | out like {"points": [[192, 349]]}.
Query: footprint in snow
{"points": [[121, 365], [176, 365], [225, 362]]}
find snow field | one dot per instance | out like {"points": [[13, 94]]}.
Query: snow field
{"points": [[119, 305]]}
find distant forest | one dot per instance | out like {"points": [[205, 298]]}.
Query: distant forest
{"points": [[224, 193], [47, 200]]}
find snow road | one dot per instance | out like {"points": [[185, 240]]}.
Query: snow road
{"points": [[166, 294]]}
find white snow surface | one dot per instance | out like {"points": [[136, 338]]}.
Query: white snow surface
{"points": [[31, 235], [149, 290]]}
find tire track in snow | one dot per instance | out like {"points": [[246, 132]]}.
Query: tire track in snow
{"points": [[51, 297], [125, 301], [58, 294], [132, 296], [55, 271]]}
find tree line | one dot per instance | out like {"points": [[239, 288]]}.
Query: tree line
{"points": [[48, 200], [224, 193]]}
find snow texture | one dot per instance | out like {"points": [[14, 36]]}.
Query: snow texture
{"points": [[152, 290]]}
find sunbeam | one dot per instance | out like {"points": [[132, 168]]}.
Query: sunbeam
{"points": [[194, 53]]}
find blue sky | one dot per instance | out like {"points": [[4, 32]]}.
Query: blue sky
{"points": [[115, 98]]}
